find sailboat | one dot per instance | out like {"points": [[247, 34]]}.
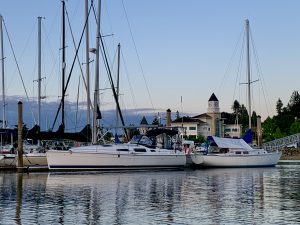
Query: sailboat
{"points": [[140, 154], [227, 152], [132, 155]]}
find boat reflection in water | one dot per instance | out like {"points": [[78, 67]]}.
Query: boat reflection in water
{"points": [[215, 196]]}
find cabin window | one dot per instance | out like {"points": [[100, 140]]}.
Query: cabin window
{"points": [[238, 152], [106, 145], [245, 152], [140, 150], [122, 149], [152, 150], [192, 128], [227, 130], [234, 130]]}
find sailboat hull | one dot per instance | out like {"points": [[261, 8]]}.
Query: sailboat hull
{"points": [[68, 160], [222, 160], [35, 159], [7, 161]]}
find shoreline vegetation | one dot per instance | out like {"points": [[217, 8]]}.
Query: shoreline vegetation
{"points": [[290, 154]]}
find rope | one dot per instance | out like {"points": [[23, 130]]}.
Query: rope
{"points": [[230, 62], [130, 86], [107, 67], [139, 59], [19, 72], [81, 71], [260, 73], [72, 67]]}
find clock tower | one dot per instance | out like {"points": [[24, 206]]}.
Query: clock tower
{"points": [[213, 104], [213, 111]]}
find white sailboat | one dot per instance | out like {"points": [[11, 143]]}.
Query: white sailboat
{"points": [[227, 152], [140, 153], [114, 156]]}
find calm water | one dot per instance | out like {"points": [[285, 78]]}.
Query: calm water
{"points": [[214, 196]]}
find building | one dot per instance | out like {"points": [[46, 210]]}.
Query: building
{"points": [[190, 126], [213, 111], [207, 124], [232, 130], [143, 126]]}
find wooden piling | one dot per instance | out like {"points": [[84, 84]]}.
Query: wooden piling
{"points": [[20, 165], [259, 132]]}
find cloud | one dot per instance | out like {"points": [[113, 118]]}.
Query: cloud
{"points": [[49, 110]]}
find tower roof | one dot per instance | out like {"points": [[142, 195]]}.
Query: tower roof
{"points": [[144, 121], [213, 98]]}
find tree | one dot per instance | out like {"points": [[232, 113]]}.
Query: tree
{"points": [[295, 127], [278, 133], [236, 107], [254, 117], [284, 122], [108, 136], [279, 105], [268, 129], [177, 115], [229, 118], [295, 99], [294, 104], [155, 121], [244, 119]]}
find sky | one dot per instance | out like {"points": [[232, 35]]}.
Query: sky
{"points": [[170, 50]]}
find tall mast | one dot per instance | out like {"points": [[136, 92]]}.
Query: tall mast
{"points": [[63, 67], [39, 70], [248, 71], [118, 87], [87, 63], [3, 84], [96, 92]]}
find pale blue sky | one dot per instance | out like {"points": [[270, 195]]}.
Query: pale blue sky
{"points": [[185, 48]]}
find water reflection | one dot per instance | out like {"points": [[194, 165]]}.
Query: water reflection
{"points": [[215, 196], [19, 197]]}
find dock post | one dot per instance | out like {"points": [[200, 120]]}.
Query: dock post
{"points": [[20, 167], [259, 132]]}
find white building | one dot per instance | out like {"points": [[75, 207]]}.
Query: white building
{"points": [[232, 130], [207, 124]]}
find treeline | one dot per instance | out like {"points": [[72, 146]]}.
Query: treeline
{"points": [[239, 115], [287, 120]]}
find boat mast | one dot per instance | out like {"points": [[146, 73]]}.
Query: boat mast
{"points": [[96, 92], [248, 71], [3, 84], [87, 46], [118, 87], [39, 73], [63, 67]]}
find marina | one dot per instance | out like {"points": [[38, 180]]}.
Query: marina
{"points": [[82, 142], [213, 196]]}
